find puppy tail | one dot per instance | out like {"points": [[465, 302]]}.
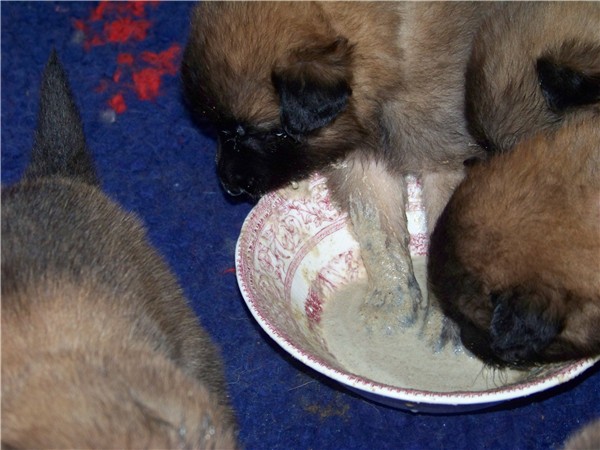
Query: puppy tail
{"points": [[59, 147]]}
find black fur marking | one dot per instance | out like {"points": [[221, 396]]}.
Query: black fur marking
{"points": [[59, 148], [518, 331], [259, 161], [448, 278], [565, 88], [478, 342], [452, 284], [307, 105]]}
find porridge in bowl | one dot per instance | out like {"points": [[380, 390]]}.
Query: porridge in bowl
{"points": [[301, 275]]}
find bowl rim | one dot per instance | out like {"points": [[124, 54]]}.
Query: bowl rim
{"points": [[360, 383]]}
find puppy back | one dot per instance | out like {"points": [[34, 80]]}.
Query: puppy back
{"points": [[531, 65]]}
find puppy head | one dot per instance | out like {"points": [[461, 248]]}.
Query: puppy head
{"points": [[514, 256], [503, 320], [531, 66], [276, 81]]}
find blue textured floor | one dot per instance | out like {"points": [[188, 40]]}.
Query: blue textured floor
{"points": [[153, 160]]}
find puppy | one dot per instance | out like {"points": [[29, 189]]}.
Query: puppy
{"points": [[99, 348], [514, 257], [364, 93]]}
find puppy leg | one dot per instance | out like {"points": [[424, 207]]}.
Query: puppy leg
{"points": [[437, 190], [375, 201]]}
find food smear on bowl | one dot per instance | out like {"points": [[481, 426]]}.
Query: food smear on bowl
{"points": [[405, 358]]}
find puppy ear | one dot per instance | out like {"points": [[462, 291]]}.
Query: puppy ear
{"points": [[520, 328], [60, 148], [570, 77], [313, 86]]}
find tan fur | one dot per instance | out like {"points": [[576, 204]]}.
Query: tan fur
{"points": [[514, 258], [586, 438], [404, 63], [90, 363], [504, 101], [99, 346], [533, 216], [242, 49]]}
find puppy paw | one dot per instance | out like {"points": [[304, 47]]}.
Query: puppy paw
{"points": [[440, 332], [392, 304]]}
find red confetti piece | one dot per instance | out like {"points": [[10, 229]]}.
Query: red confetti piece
{"points": [[137, 8], [165, 60], [117, 103], [124, 29], [104, 8], [125, 58], [117, 75], [147, 83], [94, 42], [80, 25], [98, 12]]}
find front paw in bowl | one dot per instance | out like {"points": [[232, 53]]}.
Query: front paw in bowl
{"points": [[392, 304], [439, 331], [394, 299]]}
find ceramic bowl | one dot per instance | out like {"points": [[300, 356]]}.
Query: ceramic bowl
{"points": [[296, 251]]}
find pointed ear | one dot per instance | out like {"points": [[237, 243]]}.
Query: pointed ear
{"points": [[571, 78], [313, 86], [59, 147]]}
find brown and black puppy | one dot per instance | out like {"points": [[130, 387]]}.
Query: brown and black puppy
{"points": [[99, 348], [363, 92], [515, 256]]}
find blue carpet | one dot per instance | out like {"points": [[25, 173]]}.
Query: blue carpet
{"points": [[154, 161]]}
